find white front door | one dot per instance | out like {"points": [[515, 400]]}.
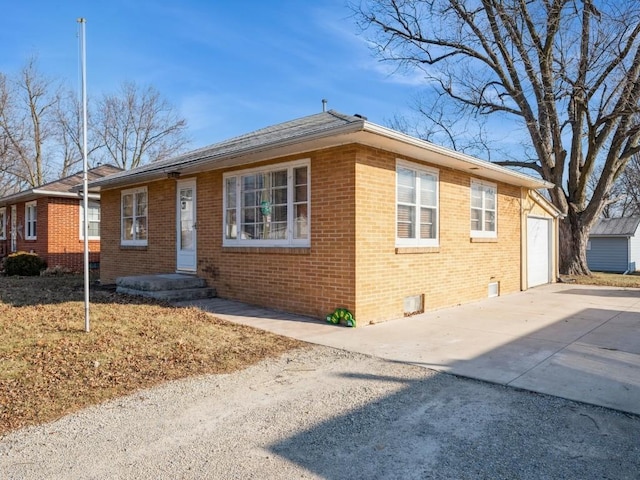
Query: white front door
{"points": [[186, 225]]}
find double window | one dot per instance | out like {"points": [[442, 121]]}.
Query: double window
{"points": [[93, 215], [268, 206], [3, 223], [31, 218], [416, 205], [483, 209], [134, 206]]}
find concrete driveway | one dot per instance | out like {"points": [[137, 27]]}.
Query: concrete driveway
{"points": [[572, 341]]}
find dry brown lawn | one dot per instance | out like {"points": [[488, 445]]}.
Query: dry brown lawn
{"points": [[49, 366], [606, 279]]}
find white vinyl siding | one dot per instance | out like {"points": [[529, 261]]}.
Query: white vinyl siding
{"points": [[416, 205], [3, 223], [134, 221], [94, 220], [31, 220], [484, 208], [268, 206]]}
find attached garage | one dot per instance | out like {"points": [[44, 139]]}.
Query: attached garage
{"points": [[539, 250], [540, 241]]}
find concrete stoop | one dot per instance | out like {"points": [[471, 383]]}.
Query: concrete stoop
{"points": [[170, 287]]}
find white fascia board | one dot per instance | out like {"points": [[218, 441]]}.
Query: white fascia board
{"points": [[459, 161]]}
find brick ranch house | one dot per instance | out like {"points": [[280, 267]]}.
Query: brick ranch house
{"points": [[47, 220], [329, 211]]}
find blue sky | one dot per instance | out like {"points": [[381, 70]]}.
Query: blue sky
{"points": [[229, 67]]}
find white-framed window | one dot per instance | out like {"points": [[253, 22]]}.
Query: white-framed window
{"points": [[93, 216], [268, 206], [484, 209], [3, 223], [416, 205], [30, 220], [134, 221]]}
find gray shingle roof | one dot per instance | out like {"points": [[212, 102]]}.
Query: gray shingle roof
{"points": [[291, 130], [63, 187], [619, 227], [313, 132]]}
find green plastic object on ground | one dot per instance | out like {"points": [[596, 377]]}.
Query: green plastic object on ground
{"points": [[341, 315]]}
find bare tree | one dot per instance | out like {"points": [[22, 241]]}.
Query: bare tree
{"points": [[625, 199], [566, 71], [68, 135], [138, 126], [27, 102]]}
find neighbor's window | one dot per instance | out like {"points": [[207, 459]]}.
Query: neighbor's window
{"points": [[31, 216], [483, 209], [416, 205], [3, 223], [93, 214], [268, 206], [134, 217]]}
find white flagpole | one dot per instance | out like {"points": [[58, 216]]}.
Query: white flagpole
{"points": [[85, 176]]}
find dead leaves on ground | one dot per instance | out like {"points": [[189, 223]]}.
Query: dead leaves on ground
{"points": [[50, 367]]}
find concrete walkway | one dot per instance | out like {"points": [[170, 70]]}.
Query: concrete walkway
{"points": [[572, 341]]}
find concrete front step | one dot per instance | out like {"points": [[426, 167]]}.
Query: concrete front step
{"points": [[182, 294], [169, 287]]}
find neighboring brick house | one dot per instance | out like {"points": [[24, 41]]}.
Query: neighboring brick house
{"points": [[331, 211], [47, 220]]}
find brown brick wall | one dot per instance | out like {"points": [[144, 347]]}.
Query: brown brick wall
{"points": [[39, 245], [458, 271], [159, 254], [311, 281], [58, 233], [64, 245], [352, 261]]}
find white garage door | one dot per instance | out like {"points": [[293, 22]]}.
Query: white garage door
{"points": [[538, 251]]}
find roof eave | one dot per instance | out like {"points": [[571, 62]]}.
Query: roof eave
{"points": [[459, 161]]}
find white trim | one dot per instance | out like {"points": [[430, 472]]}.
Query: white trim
{"points": [[30, 222], [134, 242], [91, 203], [192, 266], [14, 228], [417, 241], [290, 241], [484, 233], [549, 247], [3, 223]]}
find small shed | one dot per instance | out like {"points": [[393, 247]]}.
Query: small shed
{"points": [[614, 245]]}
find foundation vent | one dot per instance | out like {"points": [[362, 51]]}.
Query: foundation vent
{"points": [[413, 305]]}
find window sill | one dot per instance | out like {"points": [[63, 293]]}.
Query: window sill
{"points": [[133, 247], [410, 250], [483, 239], [263, 250]]}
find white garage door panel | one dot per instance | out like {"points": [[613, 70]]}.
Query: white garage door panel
{"points": [[538, 251]]}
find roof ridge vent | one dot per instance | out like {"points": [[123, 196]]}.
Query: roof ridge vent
{"points": [[360, 116]]}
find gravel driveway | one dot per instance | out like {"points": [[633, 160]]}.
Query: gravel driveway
{"points": [[327, 414]]}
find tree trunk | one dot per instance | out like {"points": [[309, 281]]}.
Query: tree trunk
{"points": [[574, 236]]}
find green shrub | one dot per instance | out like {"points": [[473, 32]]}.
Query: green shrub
{"points": [[24, 263]]}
